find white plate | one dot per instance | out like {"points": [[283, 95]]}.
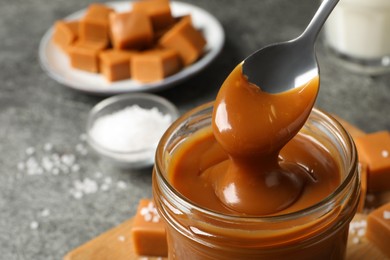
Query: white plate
{"points": [[57, 64]]}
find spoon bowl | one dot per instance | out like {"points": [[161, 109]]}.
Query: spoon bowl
{"points": [[282, 66]]}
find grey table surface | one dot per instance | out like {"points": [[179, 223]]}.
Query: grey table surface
{"points": [[40, 118]]}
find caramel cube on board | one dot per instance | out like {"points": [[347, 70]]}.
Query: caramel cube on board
{"points": [[131, 30], [94, 26], [65, 34], [374, 150], [186, 40], [378, 228], [84, 55], [148, 232], [115, 64], [159, 12], [155, 65]]}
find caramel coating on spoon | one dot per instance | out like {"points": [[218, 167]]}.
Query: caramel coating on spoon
{"points": [[252, 126]]}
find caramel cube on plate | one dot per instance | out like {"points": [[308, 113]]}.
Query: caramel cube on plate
{"points": [[65, 34], [115, 64], [158, 33], [159, 12], [94, 26], [148, 232], [378, 228], [84, 55], [154, 65], [374, 150], [186, 40], [131, 30]]}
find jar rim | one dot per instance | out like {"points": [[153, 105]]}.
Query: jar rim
{"points": [[187, 203]]}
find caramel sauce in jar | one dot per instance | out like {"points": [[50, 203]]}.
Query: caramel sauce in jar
{"points": [[256, 176]]}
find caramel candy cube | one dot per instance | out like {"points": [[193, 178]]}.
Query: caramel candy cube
{"points": [[378, 228], [131, 30], [148, 232], [65, 34], [115, 64], [159, 12], [374, 150], [154, 65], [84, 55], [186, 40], [94, 26]]}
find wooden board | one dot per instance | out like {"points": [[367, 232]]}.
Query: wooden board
{"points": [[116, 244]]}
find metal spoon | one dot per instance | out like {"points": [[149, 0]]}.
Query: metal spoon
{"points": [[283, 66]]}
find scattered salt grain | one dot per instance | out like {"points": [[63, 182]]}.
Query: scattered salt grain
{"points": [[45, 213], [89, 186], [81, 149], [33, 167], [98, 175], [104, 187], [121, 238], [48, 147], [106, 184], [34, 225], [131, 129], [361, 232], [150, 213], [21, 166], [30, 150], [68, 159], [75, 168], [156, 219], [47, 164], [356, 240], [121, 185], [107, 180], [76, 194], [385, 153], [386, 214]]}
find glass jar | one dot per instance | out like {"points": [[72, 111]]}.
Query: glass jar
{"points": [[357, 34], [317, 232]]}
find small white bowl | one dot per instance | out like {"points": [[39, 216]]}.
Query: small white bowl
{"points": [[132, 158]]}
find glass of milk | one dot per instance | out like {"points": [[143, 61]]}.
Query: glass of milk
{"points": [[358, 34]]}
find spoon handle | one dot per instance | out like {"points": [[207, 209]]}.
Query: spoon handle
{"points": [[312, 30]]}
